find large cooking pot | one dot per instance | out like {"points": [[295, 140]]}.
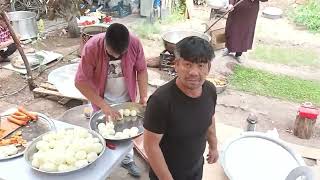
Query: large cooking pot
{"points": [[88, 32], [24, 23], [171, 38]]}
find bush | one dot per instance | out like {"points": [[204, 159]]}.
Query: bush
{"points": [[308, 15]]}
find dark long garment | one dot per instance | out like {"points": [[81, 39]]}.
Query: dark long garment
{"points": [[10, 50], [241, 24]]}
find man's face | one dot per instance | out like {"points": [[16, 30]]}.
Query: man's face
{"points": [[191, 75], [112, 54]]}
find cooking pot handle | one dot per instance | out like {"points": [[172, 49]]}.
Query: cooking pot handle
{"points": [[302, 171]]}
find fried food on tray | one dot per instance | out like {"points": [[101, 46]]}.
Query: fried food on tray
{"points": [[16, 139], [22, 116]]}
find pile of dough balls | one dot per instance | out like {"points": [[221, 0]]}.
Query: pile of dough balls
{"points": [[8, 150], [66, 150], [107, 131], [127, 113]]}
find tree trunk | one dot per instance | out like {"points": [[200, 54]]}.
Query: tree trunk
{"points": [[73, 29], [303, 127]]}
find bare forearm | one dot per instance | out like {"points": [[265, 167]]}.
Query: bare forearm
{"points": [[6, 43], [211, 135], [142, 78], [158, 163], [89, 93]]}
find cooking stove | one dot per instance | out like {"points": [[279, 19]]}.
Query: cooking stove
{"points": [[167, 62]]}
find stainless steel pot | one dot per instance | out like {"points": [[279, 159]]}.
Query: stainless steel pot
{"points": [[24, 23], [171, 38]]}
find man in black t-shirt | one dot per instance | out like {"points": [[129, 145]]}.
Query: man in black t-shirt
{"points": [[179, 118]]}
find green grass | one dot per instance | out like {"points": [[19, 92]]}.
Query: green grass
{"points": [[284, 55], [145, 30], [279, 86], [175, 17], [307, 15]]}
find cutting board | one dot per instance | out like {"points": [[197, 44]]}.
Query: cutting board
{"points": [[8, 126]]}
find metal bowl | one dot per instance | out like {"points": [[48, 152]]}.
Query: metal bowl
{"points": [[258, 155], [31, 131], [171, 38], [219, 88], [31, 150], [126, 122], [33, 59]]}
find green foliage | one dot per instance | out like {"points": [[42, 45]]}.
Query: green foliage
{"points": [[279, 86], [285, 55], [307, 15]]}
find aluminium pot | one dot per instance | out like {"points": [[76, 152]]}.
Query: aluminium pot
{"points": [[24, 23], [171, 38]]}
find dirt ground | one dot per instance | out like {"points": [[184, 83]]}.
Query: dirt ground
{"points": [[233, 106]]}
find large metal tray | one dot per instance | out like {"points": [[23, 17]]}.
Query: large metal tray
{"points": [[126, 122], [31, 131], [31, 149]]}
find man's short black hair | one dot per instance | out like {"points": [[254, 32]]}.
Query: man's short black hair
{"points": [[195, 50], [117, 37]]}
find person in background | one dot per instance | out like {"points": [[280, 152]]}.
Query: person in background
{"points": [[179, 117], [240, 27], [111, 66], [7, 45]]}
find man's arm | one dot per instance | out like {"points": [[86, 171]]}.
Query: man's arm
{"points": [[155, 155], [212, 141], [6, 43], [94, 98], [90, 94], [142, 78]]}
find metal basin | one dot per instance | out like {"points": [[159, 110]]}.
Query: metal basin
{"points": [[24, 23], [171, 38], [255, 155]]}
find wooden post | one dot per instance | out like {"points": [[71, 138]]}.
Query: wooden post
{"points": [[23, 56], [303, 127]]}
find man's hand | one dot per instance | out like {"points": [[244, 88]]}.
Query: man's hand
{"points": [[212, 156], [143, 101], [110, 113]]}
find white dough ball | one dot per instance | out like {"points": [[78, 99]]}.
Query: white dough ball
{"points": [[110, 125], [95, 140], [70, 160], [119, 135], [111, 131], [126, 132], [81, 163], [92, 156], [127, 112], [63, 168], [35, 163], [11, 150], [42, 145], [97, 147], [49, 137], [134, 131], [101, 126], [133, 113], [81, 155], [48, 166]]}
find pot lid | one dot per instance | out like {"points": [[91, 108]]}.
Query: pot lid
{"points": [[63, 79], [272, 12], [256, 156]]}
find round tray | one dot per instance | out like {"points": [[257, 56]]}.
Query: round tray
{"points": [[33, 59], [258, 155], [31, 149], [31, 131], [126, 122]]}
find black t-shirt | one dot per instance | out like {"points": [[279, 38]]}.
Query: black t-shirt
{"points": [[184, 122]]}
